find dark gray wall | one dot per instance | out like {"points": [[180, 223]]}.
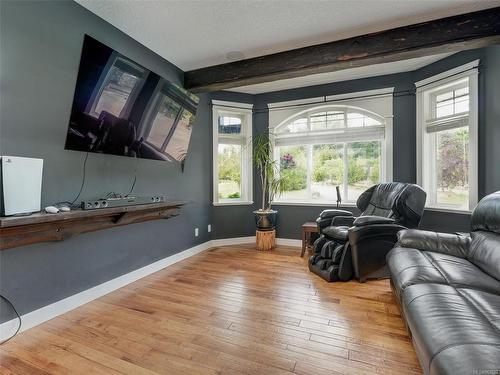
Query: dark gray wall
{"points": [[404, 124], [40, 45], [489, 122]]}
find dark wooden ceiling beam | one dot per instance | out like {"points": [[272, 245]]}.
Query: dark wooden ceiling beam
{"points": [[451, 34]]}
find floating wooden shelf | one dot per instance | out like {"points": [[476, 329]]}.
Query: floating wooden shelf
{"points": [[42, 227]]}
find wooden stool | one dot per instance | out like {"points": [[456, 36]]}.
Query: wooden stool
{"points": [[266, 239], [307, 229]]}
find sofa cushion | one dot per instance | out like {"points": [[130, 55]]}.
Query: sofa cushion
{"points": [[442, 318], [487, 303], [462, 273], [412, 266], [467, 359], [408, 266]]}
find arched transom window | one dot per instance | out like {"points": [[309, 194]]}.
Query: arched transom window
{"points": [[331, 118], [324, 146]]}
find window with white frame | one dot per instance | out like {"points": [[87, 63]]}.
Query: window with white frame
{"points": [[447, 138], [232, 153], [335, 144]]}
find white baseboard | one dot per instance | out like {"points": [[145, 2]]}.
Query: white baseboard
{"points": [[288, 242], [232, 241], [48, 312], [251, 239]]}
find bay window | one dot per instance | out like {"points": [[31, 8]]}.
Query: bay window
{"points": [[232, 154], [447, 138], [323, 146]]}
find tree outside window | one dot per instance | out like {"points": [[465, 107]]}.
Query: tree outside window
{"points": [[453, 167]]}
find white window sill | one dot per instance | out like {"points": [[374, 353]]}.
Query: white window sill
{"points": [[313, 204], [235, 203], [352, 204], [448, 210]]}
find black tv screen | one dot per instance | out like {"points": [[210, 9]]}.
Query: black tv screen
{"points": [[122, 108]]}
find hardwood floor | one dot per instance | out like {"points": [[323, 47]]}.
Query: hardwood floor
{"points": [[229, 310]]}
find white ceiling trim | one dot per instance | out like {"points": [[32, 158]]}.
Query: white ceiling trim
{"points": [[388, 91], [223, 103], [448, 73], [293, 103]]}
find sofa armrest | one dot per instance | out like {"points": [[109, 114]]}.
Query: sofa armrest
{"points": [[445, 243], [327, 214], [343, 220], [369, 220]]}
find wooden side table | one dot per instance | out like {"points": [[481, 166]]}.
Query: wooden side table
{"points": [[307, 229]]}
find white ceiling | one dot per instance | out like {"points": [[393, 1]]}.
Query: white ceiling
{"points": [[195, 33], [198, 33], [342, 75]]}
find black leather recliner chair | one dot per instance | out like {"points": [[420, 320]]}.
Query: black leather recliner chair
{"points": [[359, 245]]}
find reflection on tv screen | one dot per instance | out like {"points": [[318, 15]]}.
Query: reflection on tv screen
{"points": [[122, 108]]}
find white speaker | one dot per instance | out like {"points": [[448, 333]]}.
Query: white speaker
{"points": [[21, 184]]}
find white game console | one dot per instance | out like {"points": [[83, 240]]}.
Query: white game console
{"points": [[21, 185]]}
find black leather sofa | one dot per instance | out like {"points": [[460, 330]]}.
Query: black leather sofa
{"points": [[358, 245], [448, 290]]}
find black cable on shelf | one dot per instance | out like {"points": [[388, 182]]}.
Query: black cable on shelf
{"points": [[72, 203], [18, 317], [83, 179], [135, 177]]}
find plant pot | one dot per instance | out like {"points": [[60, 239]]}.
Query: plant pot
{"points": [[265, 220]]}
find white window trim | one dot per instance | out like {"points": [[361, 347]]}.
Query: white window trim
{"points": [[448, 74], [388, 91], [314, 203], [244, 109], [469, 70], [231, 105], [386, 167]]}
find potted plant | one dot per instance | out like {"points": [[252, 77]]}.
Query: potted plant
{"points": [[269, 177]]}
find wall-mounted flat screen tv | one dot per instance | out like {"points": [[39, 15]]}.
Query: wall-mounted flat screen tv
{"points": [[122, 108]]}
